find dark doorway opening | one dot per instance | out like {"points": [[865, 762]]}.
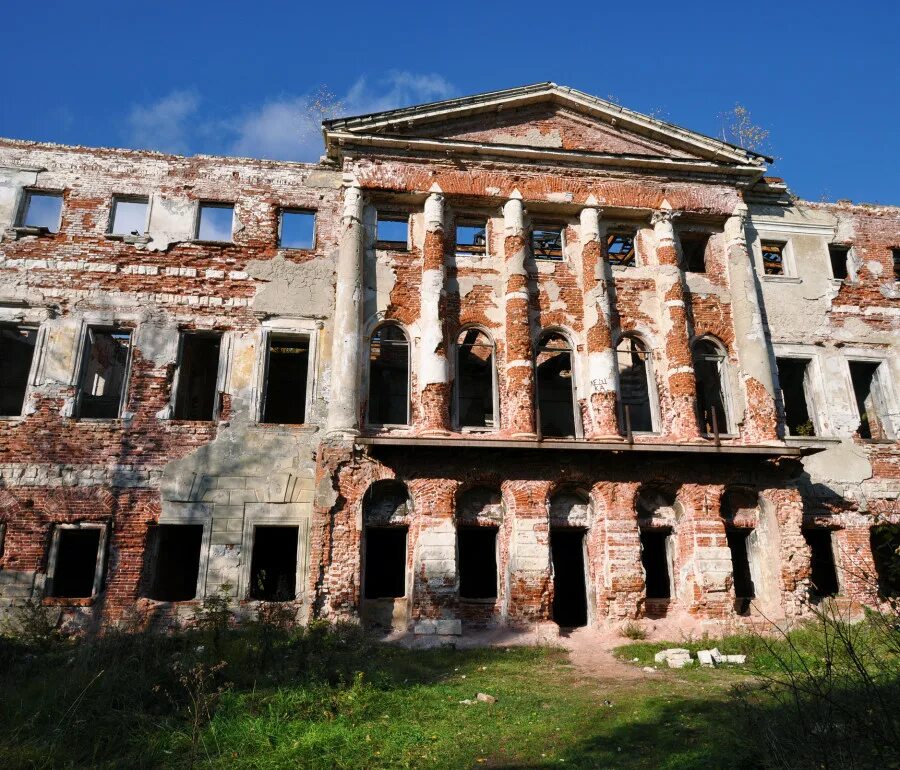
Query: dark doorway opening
{"points": [[273, 565], [177, 562], [885, 541], [655, 559], [569, 585], [744, 590], [76, 563], [197, 377], [477, 552], [823, 574], [556, 406], [385, 558], [285, 391]]}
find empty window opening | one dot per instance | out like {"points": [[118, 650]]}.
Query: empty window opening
{"points": [[129, 216], [547, 242], [75, 566], [823, 573], [475, 379], [838, 256], [793, 376], [385, 559], [215, 222], [693, 251], [569, 583], [740, 565], [297, 229], [709, 372], [556, 404], [471, 239], [620, 249], [287, 364], [103, 373], [197, 377], [177, 562], [773, 257], [273, 564], [477, 554], [655, 560], [869, 399], [885, 541], [16, 352], [389, 377], [42, 210], [634, 385], [392, 231], [895, 254]]}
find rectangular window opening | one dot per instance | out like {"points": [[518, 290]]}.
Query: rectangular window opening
{"points": [[215, 222], [16, 353], [885, 542], [129, 216], [41, 210], [197, 377], [773, 257], [864, 376], [475, 386], [740, 565], [693, 250], [392, 231], [547, 242], [655, 560], [273, 564], [823, 572], [103, 373], [177, 549], [838, 256], [793, 376], [471, 238], [895, 254], [75, 569], [477, 553], [287, 368], [385, 558], [620, 249], [297, 230], [555, 401], [388, 402], [634, 388]]}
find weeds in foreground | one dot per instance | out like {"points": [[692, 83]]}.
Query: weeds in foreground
{"points": [[633, 631]]}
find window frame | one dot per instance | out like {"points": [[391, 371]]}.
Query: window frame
{"points": [[495, 529], [368, 383], [393, 215], [883, 380], [631, 231], [283, 327], [543, 226], [125, 198], [812, 383], [198, 215], [99, 567], [576, 410], [25, 201], [151, 560], [466, 220], [724, 371], [364, 542], [81, 364], [495, 390], [695, 235], [652, 390], [315, 227], [35, 361], [848, 278], [224, 351], [262, 515]]}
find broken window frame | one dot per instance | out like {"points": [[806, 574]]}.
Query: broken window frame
{"points": [[493, 423], [810, 375], [260, 515], [549, 251], [838, 579], [32, 367], [895, 257], [781, 248], [474, 251], [652, 395], [82, 370], [53, 558], [473, 526], [177, 383], [211, 204], [836, 251], [542, 347], [881, 391], [631, 256], [28, 194], [667, 534], [315, 227], [392, 215], [369, 421], [265, 350], [152, 566], [251, 546], [116, 200], [695, 236], [720, 358]]}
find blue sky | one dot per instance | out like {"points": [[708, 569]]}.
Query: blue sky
{"points": [[236, 78]]}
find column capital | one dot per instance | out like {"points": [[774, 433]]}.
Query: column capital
{"points": [[664, 216]]}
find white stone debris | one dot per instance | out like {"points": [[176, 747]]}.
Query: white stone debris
{"points": [[675, 657]]}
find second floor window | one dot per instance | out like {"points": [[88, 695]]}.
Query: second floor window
{"points": [[475, 379], [286, 374], [16, 353], [773, 257], [636, 413], [104, 371], [198, 372], [41, 210], [297, 229], [389, 376], [620, 249], [710, 374], [547, 242], [555, 386]]}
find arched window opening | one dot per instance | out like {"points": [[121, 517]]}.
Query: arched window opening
{"points": [[740, 511], [475, 379], [385, 510], [656, 510], [479, 512], [710, 373], [389, 376], [635, 409], [555, 389]]}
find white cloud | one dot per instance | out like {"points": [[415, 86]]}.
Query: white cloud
{"points": [[164, 124]]}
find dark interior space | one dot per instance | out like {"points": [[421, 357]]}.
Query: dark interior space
{"points": [[710, 398], [103, 373], [792, 378], [569, 585], [477, 553], [633, 386], [656, 563], [744, 590], [385, 573], [285, 398], [177, 562], [76, 563], [554, 388], [273, 565], [475, 380], [693, 250], [838, 256], [16, 352], [862, 374], [824, 574], [389, 377], [885, 541], [197, 377]]}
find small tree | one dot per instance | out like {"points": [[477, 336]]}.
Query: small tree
{"points": [[738, 128]]}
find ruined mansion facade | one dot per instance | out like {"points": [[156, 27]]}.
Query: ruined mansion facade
{"points": [[519, 357]]}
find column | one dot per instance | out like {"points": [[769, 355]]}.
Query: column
{"points": [[601, 420], [343, 401], [681, 385], [754, 355], [519, 365], [433, 377]]}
